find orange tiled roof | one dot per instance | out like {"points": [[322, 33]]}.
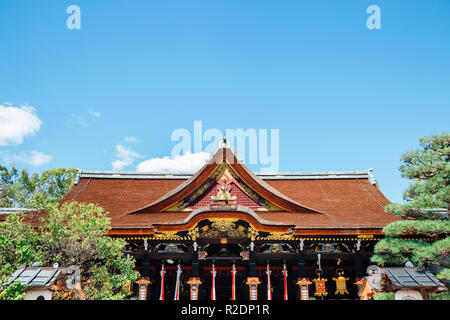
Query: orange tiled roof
{"points": [[316, 201]]}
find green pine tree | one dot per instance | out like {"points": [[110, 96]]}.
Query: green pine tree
{"points": [[422, 237]]}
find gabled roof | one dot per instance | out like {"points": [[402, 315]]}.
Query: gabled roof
{"points": [[224, 156], [337, 201]]}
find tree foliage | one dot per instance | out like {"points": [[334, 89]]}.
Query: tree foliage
{"points": [[18, 245], [75, 233], [440, 295], [70, 234], [429, 170], [19, 189], [15, 291], [396, 252], [428, 228]]}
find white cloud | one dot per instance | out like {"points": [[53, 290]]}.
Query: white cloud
{"points": [[131, 140], [17, 123], [82, 120], [79, 119], [125, 157], [95, 113], [34, 158], [190, 162]]}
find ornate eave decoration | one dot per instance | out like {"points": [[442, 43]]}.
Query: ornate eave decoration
{"points": [[277, 237], [169, 236], [211, 228], [224, 228]]}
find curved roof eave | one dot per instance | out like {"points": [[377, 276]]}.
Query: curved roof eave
{"points": [[224, 155]]}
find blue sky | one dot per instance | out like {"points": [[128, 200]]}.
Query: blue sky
{"points": [[342, 96]]}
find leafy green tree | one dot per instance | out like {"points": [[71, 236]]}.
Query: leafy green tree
{"points": [[15, 291], [429, 170], [19, 189], [75, 234], [18, 245], [69, 234]]}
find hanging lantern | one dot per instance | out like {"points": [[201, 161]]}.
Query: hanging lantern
{"points": [[320, 284], [341, 286], [253, 283], [303, 284], [194, 283], [143, 283]]}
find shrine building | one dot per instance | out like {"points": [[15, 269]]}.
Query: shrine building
{"points": [[227, 233]]}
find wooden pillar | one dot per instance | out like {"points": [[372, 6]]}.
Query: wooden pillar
{"points": [[146, 265], [301, 267], [251, 264], [252, 279], [426, 294], [358, 267], [253, 283], [195, 265], [143, 283]]}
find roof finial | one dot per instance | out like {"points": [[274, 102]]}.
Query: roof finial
{"points": [[224, 142]]}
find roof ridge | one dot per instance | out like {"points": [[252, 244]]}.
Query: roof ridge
{"points": [[361, 174]]}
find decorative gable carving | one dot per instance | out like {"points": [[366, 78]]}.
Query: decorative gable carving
{"points": [[250, 191], [223, 188]]}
